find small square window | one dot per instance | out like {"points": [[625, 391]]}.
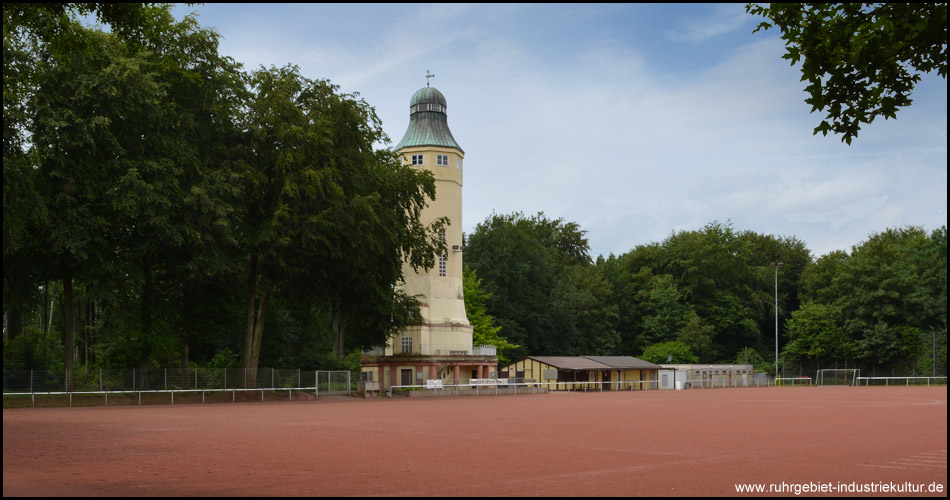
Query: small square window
{"points": [[442, 160], [417, 159]]}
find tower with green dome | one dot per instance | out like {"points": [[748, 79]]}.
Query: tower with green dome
{"points": [[440, 348]]}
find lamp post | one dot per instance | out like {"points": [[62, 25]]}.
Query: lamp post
{"points": [[776, 265]]}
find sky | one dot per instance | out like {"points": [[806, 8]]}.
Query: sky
{"points": [[634, 121]]}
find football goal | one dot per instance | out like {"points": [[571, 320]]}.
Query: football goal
{"points": [[838, 376], [793, 381]]}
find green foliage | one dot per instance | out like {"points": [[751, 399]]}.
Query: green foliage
{"points": [[225, 358], [861, 61], [759, 363], [542, 290], [875, 304], [34, 349], [484, 330], [327, 218], [814, 333], [147, 169], [712, 289], [157, 197], [882, 344], [665, 312], [660, 353]]}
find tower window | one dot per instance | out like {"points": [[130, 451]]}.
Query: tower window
{"points": [[417, 159], [442, 160], [458, 164], [427, 107]]}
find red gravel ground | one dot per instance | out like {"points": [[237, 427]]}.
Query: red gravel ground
{"points": [[656, 443]]}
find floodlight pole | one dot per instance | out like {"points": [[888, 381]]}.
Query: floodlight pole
{"points": [[776, 266]]}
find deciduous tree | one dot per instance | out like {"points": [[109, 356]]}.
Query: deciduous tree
{"points": [[861, 61]]}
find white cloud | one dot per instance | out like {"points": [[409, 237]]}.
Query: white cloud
{"points": [[842, 215], [724, 19], [560, 113]]}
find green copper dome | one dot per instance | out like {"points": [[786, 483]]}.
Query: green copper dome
{"points": [[428, 125], [427, 95]]}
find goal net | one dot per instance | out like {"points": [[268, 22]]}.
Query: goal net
{"points": [[838, 376]]}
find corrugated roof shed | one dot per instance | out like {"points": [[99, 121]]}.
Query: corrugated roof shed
{"points": [[624, 362], [571, 362]]}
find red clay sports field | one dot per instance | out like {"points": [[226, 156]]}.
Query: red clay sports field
{"points": [[654, 443]]}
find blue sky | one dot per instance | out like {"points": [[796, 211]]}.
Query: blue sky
{"points": [[633, 121]]}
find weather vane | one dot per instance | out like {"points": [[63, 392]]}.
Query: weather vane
{"points": [[428, 76]]}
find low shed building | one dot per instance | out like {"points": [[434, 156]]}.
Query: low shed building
{"points": [[569, 373], [694, 376]]}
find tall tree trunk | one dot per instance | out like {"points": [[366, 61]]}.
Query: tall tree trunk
{"points": [[146, 321], [43, 309], [258, 335], [185, 377], [143, 373], [49, 317], [14, 322], [89, 336], [251, 294], [89, 325], [69, 329], [339, 326]]}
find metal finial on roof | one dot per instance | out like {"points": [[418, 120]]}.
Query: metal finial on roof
{"points": [[428, 76]]}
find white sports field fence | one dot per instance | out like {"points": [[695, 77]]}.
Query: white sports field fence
{"points": [[497, 386], [190, 384], [583, 386], [643, 385], [900, 381]]}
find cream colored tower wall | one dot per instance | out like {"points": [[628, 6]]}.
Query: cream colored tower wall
{"points": [[443, 294]]}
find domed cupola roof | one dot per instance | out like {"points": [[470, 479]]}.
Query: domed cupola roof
{"points": [[427, 95], [428, 125]]}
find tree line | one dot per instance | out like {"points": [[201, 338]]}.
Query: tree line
{"points": [[163, 205], [709, 296]]}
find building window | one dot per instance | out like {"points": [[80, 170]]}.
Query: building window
{"points": [[442, 160], [458, 164], [417, 159], [407, 345]]}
